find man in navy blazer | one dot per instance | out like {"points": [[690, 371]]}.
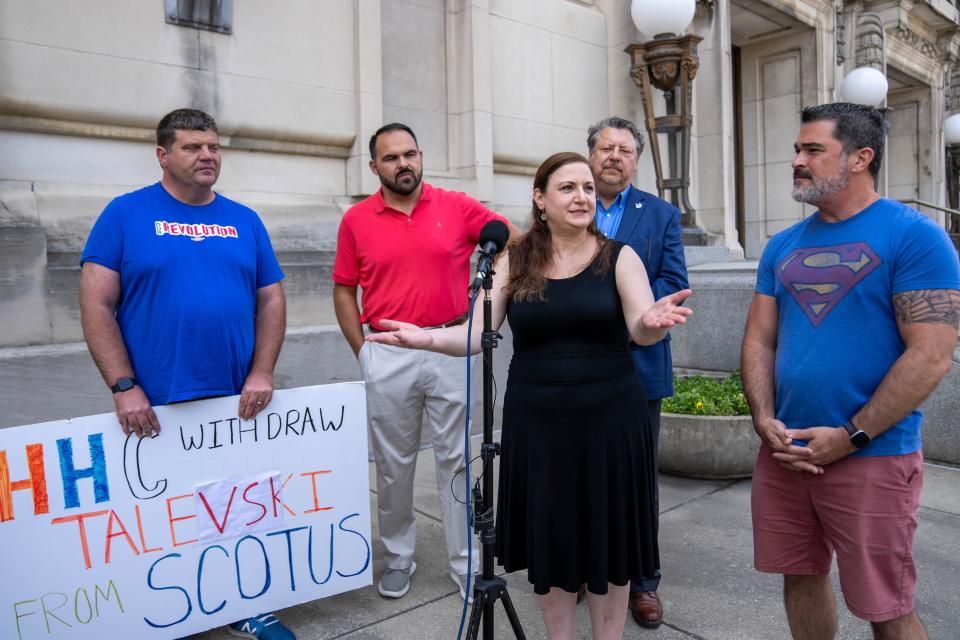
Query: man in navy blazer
{"points": [[652, 227]]}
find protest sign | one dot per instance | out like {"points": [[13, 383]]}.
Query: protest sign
{"points": [[214, 520]]}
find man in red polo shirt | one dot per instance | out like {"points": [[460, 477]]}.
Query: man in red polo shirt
{"points": [[408, 246]]}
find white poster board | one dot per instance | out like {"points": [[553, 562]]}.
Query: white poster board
{"points": [[214, 520]]}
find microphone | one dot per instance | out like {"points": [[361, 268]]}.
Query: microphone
{"points": [[493, 238]]}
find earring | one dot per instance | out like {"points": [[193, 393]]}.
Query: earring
{"points": [[543, 215]]}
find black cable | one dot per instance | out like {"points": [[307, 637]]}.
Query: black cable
{"points": [[453, 480]]}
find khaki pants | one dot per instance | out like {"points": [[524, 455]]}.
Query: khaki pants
{"points": [[408, 390]]}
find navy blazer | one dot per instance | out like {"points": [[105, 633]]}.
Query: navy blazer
{"points": [[652, 227]]}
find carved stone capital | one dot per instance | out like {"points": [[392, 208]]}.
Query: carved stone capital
{"points": [[840, 36], [870, 36], [952, 90]]}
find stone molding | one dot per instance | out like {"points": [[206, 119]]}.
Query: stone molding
{"points": [[515, 168], [341, 149], [916, 41]]}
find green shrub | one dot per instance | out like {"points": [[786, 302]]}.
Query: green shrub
{"points": [[703, 396]]}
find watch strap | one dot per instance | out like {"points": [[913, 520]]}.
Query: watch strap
{"points": [[123, 384], [858, 437]]}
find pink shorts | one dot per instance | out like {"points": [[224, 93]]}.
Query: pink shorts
{"points": [[865, 508]]}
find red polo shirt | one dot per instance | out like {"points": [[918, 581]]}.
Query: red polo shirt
{"points": [[412, 268]]}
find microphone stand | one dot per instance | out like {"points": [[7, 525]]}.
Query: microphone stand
{"points": [[489, 587]]}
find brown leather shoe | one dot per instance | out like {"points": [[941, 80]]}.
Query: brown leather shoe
{"points": [[646, 608]]}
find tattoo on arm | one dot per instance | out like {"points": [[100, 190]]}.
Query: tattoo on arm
{"points": [[934, 306]]}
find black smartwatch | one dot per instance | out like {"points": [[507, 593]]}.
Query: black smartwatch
{"points": [[858, 437], [124, 384]]}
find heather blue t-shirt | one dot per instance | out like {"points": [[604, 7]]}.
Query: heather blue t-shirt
{"points": [[837, 335], [189, 277]]}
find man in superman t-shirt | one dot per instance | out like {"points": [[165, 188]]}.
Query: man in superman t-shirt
{"points": [[853, 324]]}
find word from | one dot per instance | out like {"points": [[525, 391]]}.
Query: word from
{"points": [[255, 559], [85, 609], [194, 230], [117, 529], [230, 431], [36, 482]]}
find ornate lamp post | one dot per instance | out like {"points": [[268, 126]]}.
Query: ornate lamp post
{"points": [[669, 63]]}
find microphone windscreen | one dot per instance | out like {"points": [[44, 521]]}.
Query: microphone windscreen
{"points": [[496, 232]]}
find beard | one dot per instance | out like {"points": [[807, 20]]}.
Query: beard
{"points": [[403, 184], [822, 188]]}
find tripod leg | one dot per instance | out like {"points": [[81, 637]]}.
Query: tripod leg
{"points": [[512, 615], [479, 601]]}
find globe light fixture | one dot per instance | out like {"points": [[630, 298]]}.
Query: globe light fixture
{"points": [[662, 18], [951, 130], [669, 63], [865, 85], [951, 140]]}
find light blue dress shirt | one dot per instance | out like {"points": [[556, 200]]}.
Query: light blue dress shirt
{"points": [[608, 220]]}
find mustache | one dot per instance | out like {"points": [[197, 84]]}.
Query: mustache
{"points": [[802, 174], [406, 172]]}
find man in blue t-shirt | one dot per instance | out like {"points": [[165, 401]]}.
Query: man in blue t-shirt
{"points": [[180, 296], [853, 324]]}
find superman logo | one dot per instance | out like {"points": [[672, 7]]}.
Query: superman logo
{"points": [[818, 278]]}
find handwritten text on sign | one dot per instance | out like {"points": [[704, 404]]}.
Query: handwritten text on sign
{"points": [[214, 520]]}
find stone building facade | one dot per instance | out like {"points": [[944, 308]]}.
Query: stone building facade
{"points": [[491, 87]]}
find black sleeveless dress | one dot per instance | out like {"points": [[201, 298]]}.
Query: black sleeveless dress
{"points": [[574, 502]]}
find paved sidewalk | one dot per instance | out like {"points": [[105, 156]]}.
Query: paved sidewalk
{"points": [[710, 589]]}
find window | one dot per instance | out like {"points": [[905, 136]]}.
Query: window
{"points": [[213, 15]]}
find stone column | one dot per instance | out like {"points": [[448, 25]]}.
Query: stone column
{"points": [[470, 96], [714, 163], [369, 96]]}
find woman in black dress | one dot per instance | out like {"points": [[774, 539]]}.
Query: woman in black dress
{"points": [[573, 505]]}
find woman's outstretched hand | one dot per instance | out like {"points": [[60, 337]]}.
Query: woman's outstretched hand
{"points": [[667, 312], [402, 334]]}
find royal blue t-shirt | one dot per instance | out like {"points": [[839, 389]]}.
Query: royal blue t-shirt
{"points": [[837, 337], [189, 277]]}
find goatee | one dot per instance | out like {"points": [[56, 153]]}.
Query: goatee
{"points": [[822, 188]]}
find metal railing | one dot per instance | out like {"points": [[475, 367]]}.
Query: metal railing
{"points": [[930, 205], [952, 225]]}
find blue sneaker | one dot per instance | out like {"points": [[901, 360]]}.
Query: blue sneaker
{"points": [[266, 626]]}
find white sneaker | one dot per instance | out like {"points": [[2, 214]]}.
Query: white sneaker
{"points": [[461, 582]]}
